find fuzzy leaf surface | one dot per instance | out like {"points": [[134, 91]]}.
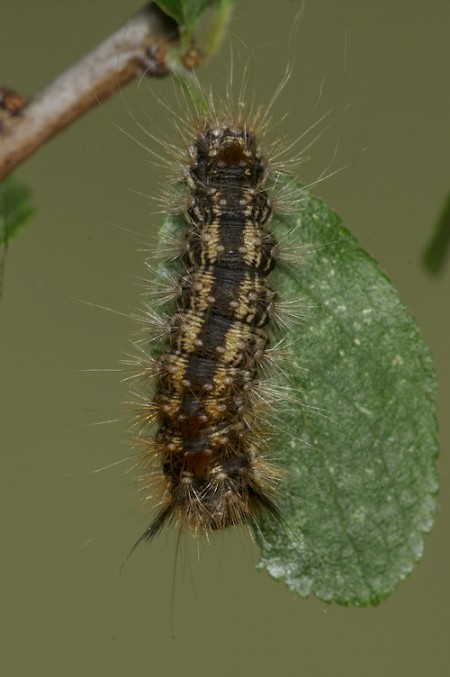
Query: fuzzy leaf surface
{"points": [[358, 430]]}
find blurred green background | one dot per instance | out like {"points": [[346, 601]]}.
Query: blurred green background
{"points": [[383, 68]]}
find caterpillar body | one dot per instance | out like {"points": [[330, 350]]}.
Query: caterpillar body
{"points": [[207, 408]]}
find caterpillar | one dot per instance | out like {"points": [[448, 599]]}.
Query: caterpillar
{"points": [[206, 421]]}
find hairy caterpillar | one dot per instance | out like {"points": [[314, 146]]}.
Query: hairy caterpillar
{"points": [[206, 417]]}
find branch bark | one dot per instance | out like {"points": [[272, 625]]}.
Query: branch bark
{"points": [[138, 46]]}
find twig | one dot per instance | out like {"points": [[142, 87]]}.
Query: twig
{"points": [[140, 45]]}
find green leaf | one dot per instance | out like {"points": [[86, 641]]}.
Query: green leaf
{"points": [[185, 12], [359, 446], [356, 432], [15, 208]]}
